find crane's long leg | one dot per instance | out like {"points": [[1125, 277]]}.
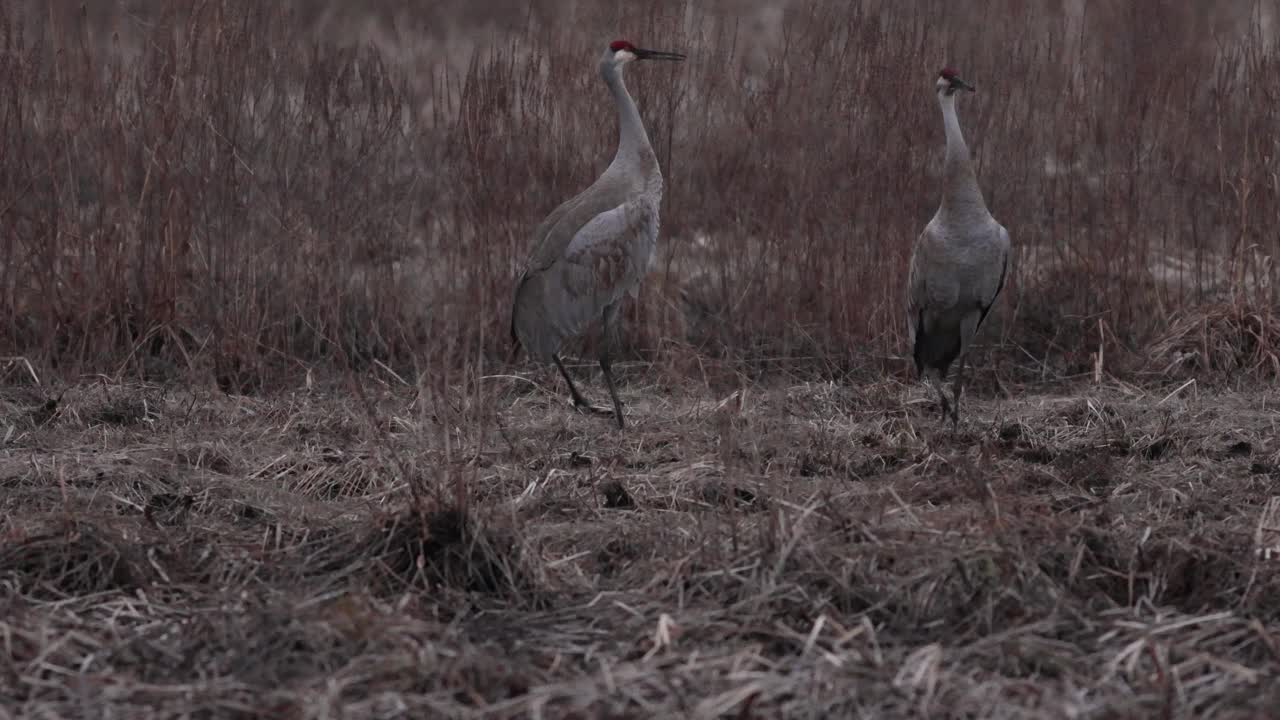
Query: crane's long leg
{"points": [[968, 328], [610, 337], [578, 400], [957, 388], [937, 381]]}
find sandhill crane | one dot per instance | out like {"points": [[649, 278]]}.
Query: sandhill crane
{"points": [[958, 264], [594, 249]]}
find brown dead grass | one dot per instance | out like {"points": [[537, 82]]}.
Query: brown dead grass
{"points": [[234, 201], [1223, 339], [789, 549], [241, 191]]}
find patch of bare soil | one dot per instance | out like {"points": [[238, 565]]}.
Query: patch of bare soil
{"points": [[782, 550]]}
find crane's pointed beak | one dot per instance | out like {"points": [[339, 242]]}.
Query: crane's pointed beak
{"points": [[964, 85], [642, 54]]}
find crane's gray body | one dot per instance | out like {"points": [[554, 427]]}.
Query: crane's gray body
{"points": [[970, 274], [594, 249], [958, 268]]}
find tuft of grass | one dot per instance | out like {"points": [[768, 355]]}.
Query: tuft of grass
{"points": [[1221, 339], [447, 548], [76, 560]]}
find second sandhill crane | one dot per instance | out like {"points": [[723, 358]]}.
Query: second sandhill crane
{"points": [[958, 265], [593, 250]]}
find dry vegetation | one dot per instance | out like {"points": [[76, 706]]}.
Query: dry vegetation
{"points": [[241, 190], [809, 550], [262, 455]]}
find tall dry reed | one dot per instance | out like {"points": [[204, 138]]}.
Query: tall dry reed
{"points": [[249, 189]]}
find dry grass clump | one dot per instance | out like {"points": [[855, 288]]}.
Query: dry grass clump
{"points": [[1229, 339], [446, 548], [82, 558]]}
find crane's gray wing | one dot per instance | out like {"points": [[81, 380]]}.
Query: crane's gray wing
{"points": [[999, 285], [603, 260], [917, 297], [552, 236], [609, 255], [915, 291], [917, 281]]}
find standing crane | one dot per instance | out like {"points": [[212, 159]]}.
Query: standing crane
{"points": [[594, 249], [958, 264]]}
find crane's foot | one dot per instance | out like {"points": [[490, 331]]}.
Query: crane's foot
{"points": [[1000, 388], [945, 408], [581, 405]]}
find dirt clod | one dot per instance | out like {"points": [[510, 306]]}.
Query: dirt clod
{"points": [[616, 496]]}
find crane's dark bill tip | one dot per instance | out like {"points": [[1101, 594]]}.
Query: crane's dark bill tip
{"points": [[657, 55]]}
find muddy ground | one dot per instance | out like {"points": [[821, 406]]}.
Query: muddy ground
{"points": [[741, 550]]}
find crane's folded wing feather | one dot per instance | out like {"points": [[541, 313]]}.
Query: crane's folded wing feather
{"points": [[550, 240], [558, 229], [993, 293], [917, 282], [604, 259], [609, 255], [915, 291]]}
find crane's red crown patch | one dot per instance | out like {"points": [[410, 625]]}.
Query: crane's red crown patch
{"points": [[617, 45], [948, 73]]}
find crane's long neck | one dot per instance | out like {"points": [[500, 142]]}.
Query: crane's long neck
{"points": [[635, 154], [961, 195]]}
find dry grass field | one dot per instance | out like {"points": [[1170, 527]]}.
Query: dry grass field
{"points": [[264, 454], [791, 549]]}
